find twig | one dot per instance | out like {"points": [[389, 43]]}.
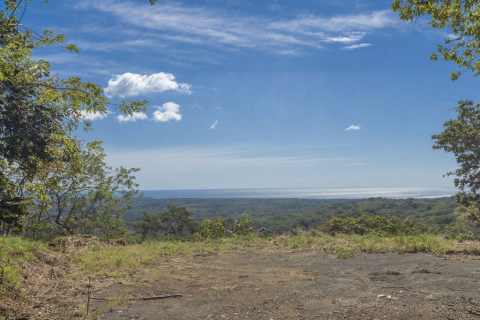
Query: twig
{"points": [[313, 316], [456, 289], [88, 298], [473, 312], [402, 288], [101, 299], [158, 297], [149, 298]]}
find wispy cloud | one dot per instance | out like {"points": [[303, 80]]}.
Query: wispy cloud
{"points": [[343, 23], [131, 84], [209, 26], [169, 111], [347, 38], [197, 158], [196, 106], [217, 166], [353, 127], [357, 46], [132, 118], [214, 125]]}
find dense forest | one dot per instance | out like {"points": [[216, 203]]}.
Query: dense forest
{"points": [[281, 215]]}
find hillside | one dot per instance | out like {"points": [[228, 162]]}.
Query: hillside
{"points": [[281, 215]]}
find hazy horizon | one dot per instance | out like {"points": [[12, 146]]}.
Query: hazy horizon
{"points": [[303, 193]]}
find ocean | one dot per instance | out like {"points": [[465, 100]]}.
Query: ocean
{"points": [[304, 193]]}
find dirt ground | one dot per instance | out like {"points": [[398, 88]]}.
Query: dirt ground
{"points": [[300, 285]]}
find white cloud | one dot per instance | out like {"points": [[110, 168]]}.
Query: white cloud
{"points": [[196, 106], [132, 118], [92, 116], [169, 111], [347, 38], [131, 84], [214, 125], [353, 127], [357, 46], [375, 20], [214, 27]]}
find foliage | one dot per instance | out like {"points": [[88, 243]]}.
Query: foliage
{"points": [[383, 226], [461, 137], [243, 227], [80, 195], [39, 112], [461, 20], [279, 216], [175, 223], [211, 230], [467, 226]]}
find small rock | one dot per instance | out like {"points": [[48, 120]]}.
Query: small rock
{"points": [[381, 296]]}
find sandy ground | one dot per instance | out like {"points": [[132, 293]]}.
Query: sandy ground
{"points": [[300, 285]]}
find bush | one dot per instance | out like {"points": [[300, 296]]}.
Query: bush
{"points": [[382, 226], [243, 227], [211, 230], [173, 223]]}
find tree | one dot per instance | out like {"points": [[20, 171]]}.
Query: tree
{"points": [[460, 18], [80, 194], [461, 136], [212, 230], [175, 222], [38, 111], [243, 227]]}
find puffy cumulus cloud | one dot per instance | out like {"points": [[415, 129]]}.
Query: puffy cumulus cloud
{"points": [[132, 118], [214, 125], [353, 127], [169, 111], [92, 116], [131, 84]]}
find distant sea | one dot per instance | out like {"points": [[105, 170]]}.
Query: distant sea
{"points": [[304, 193]]}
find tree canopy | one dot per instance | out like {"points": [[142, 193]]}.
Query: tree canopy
{"points": [[39, 111], [459, 18], [461, 136]]}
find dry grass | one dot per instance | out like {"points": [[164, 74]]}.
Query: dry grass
{"points": [[43, 281]]}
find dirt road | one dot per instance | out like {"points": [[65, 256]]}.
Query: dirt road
{"points": [[300, 285]]}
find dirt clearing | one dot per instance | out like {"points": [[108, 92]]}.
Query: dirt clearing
{"points": [[300, 285]]}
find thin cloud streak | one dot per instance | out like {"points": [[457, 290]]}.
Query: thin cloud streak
{"points": [[353, 127], [209, 26], [214, 125], [194, 159]]}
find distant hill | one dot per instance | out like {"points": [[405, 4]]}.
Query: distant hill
{"points": [[281, 215]]}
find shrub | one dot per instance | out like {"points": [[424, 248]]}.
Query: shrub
{"points": [[243, 227], [382, 226], [211, 230]]}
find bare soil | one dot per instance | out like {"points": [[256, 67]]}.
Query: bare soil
{"points": [[300, 285]]}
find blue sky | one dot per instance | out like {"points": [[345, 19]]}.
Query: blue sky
{"points": [[259, 94]]}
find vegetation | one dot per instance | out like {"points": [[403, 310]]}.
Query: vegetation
{"points": [[460, 18], [81, 197], [279, 216], [460, 137], [382, 226], [212, 230], [173, 223], [39, 115], [243, 227]]}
